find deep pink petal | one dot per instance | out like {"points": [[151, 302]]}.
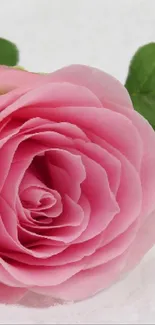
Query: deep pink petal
{"points": [[32, 191], [11, 295], [10, 222], [67, 172], [40, 275], [24, 156], [71, 215], [72, 253], [6, 277], [57, 237]]}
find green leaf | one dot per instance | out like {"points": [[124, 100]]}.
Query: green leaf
{"points": [[140, 82], [9, 54]]}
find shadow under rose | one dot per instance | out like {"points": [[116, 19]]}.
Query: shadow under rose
{"points": [[34, 300]]}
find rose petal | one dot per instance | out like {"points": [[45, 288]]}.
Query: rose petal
{"points": [[6, 277], [115, 248], [129, 196], [64, 167], [103, 85], [70, 234], [39, 275], [32, 190], [8, 241], [94, 280], [110, 163], [26, 153], [103, 122], [72, 253], [147, 135], [102, 201], [11, 78], [11, 295], [50, 95], [143, 242], [70, 215]]}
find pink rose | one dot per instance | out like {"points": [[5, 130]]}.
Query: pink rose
{"points": [[77, 184]]}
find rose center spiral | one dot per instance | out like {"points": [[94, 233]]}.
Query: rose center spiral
{"points": [[41, 201]]}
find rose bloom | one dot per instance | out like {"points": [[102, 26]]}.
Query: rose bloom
{"points": [[77, 185]]}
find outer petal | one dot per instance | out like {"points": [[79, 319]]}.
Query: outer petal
{"points": [[10, 295], [11, 78], [88, 282], [147, 136], [45, 96], [143, 242], [104, 86]]}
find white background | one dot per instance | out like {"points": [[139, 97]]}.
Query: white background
{"points": [[105, 34]]}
